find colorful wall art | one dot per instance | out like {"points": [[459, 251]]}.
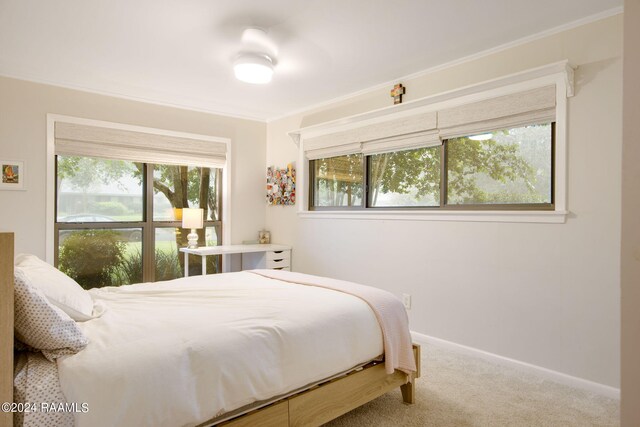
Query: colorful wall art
{"points": [[281, 185], [12, 175]]}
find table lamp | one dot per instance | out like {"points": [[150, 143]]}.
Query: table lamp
{"points": [[192, 218]]}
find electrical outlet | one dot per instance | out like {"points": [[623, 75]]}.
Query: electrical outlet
{"points": [[406, 300]]}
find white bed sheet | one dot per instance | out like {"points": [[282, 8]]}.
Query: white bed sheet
{"points": [[184, 351]]}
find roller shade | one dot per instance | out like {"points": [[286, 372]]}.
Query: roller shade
{"points": [[93, 141], [382, 136], [529, 107]]}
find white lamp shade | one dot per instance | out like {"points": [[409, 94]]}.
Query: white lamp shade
{"points": [[192, 218], [256, 69]]}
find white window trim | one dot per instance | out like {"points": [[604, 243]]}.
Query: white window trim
{"points": [[559, 74], [51, 172]]}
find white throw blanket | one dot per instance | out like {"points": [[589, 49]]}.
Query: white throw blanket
{"points": [[391, 314]]}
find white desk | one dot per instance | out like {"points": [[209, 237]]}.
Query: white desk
{"points": [[269, 256]]}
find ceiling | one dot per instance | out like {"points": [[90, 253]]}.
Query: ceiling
{"points": [[180, 52]]}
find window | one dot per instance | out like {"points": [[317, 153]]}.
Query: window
{"points": [[503, 169], [405, 178], [506, 167], [338, 181], [119, 222]]}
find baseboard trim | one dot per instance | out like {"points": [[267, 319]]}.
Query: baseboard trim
{"points": [[559, 377]]}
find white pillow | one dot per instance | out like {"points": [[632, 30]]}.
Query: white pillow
{"points": [[60, 289]]}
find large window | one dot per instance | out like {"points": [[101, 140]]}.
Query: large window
{"points": [[504, 169], [119, 222]]}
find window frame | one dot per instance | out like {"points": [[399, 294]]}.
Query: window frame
{"points": [[225, 182], [502, 206], [147, 225], [413, 208], [560, 74], [444, 205], [312, 177]]}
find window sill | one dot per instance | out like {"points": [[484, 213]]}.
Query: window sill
{"points": [[548, 217]]}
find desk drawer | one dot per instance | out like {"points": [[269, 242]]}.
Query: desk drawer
{"points": [[278, 255], [278, 263]]}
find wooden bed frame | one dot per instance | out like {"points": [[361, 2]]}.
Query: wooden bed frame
{"points": [[312, 407]]}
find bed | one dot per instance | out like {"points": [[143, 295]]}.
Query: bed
{"points": [[246, 348]]}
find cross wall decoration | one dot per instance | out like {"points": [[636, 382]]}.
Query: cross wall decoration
{"points": [[397, 92]]}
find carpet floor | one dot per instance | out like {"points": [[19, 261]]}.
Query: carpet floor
{"points": [[460, 390]]}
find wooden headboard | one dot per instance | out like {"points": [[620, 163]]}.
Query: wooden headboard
{"points": [[6, 325]]}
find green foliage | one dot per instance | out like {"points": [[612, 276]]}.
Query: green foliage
{"points": [[468, 158], [167, 265], [404, 171], [185, 187], [91, 257], [83, 172], [109, 208], [181, 185], [511, 167], [129, 270]]}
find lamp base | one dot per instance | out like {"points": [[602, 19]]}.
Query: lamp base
{"points": [[192, 238]]}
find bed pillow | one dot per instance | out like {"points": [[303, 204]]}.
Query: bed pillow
{"points": [[60, 289], [41, 325]]}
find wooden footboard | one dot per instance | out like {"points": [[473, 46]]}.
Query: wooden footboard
{"points": [[329, 400], [6, 325]]}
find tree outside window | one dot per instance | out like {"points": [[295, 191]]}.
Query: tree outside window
{"points": [[101, 222]]}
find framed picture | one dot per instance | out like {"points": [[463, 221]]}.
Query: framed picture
{"points": [[13, 175]]}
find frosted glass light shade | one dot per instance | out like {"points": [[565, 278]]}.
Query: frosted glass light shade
{"points": [[192, 218], [256, 69]]}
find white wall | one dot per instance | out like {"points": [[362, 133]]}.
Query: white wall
{"points": [[546, 294], [631, 219], [23, 123]]}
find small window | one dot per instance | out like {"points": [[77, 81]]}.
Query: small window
{"points": [[338, 181], [405, 178], [503, 169]]}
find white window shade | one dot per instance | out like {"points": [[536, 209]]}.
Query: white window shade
{"points": [[402, 142], [519, 109], [333, 151], [429, 129], [93, 141], [381, 135]]}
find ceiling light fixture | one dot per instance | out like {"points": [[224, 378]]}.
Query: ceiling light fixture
{"points": [[253, 68], [256, 60]]}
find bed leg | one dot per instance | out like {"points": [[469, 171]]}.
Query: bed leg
{"points": [[409, 389], [409, 392]]}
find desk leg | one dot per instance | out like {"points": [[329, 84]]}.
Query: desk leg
{"points": [[204, 265], [186, 264]]}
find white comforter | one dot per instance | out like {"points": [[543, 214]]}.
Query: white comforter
{"points": [[184, 351]]}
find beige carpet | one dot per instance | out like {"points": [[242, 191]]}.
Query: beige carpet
{"points": [[459, 390]]}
